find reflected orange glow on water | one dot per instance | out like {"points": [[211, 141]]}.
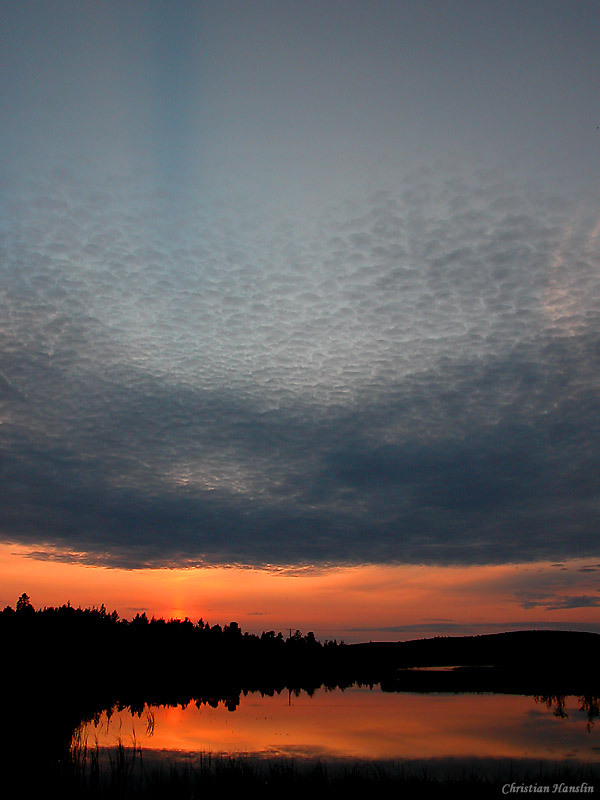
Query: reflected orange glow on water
{"points": [[362, 724]]}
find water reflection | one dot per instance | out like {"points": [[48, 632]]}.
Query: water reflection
{"points": [[361, 723], [588, 705]]}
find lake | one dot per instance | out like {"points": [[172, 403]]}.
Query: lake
{"points": [[359, 724]]}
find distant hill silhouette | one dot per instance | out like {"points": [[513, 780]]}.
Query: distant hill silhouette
{"points": [[92, 650], [537, 646], [517, 661], [66, 665]]}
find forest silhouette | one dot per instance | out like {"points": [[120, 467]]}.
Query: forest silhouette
{"points": [[70, 664], [93, 652]]}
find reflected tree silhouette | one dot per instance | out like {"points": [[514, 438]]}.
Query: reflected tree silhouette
{"points": [[588, 704], [76, 663]]}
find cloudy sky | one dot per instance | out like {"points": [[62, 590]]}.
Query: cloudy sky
{"points": [[301, 284]]}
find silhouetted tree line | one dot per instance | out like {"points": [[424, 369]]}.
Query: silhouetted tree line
{"points": [[70, 664], [91, 648], [83, 646]]}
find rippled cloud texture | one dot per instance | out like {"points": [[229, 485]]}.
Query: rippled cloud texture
{"points": [[219, 347]]}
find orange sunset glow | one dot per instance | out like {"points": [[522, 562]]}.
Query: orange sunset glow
{"points": [[299, 396], [356, 603], [358, 724]]}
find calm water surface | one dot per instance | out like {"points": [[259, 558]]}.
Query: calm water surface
{"points": [[360, 723]]}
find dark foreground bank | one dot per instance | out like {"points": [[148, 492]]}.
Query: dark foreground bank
{"points": [[65, 665], [91, 652], [127, 774]]}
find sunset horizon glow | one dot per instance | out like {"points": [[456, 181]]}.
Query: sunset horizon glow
{"points": [[351, 603], [300, 313]]}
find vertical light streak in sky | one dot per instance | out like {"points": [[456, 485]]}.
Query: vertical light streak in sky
{"points": [[354, 604]]}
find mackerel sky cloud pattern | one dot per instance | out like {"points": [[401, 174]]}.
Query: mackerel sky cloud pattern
{"points": [[219, 347]]}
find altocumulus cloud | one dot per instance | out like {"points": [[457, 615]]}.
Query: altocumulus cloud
{"points": [[410, 376]]}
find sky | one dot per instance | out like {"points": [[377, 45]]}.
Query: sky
{"points": [[300, 297]]}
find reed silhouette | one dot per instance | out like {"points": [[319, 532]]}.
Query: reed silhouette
{"points": [[68, 665]]}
